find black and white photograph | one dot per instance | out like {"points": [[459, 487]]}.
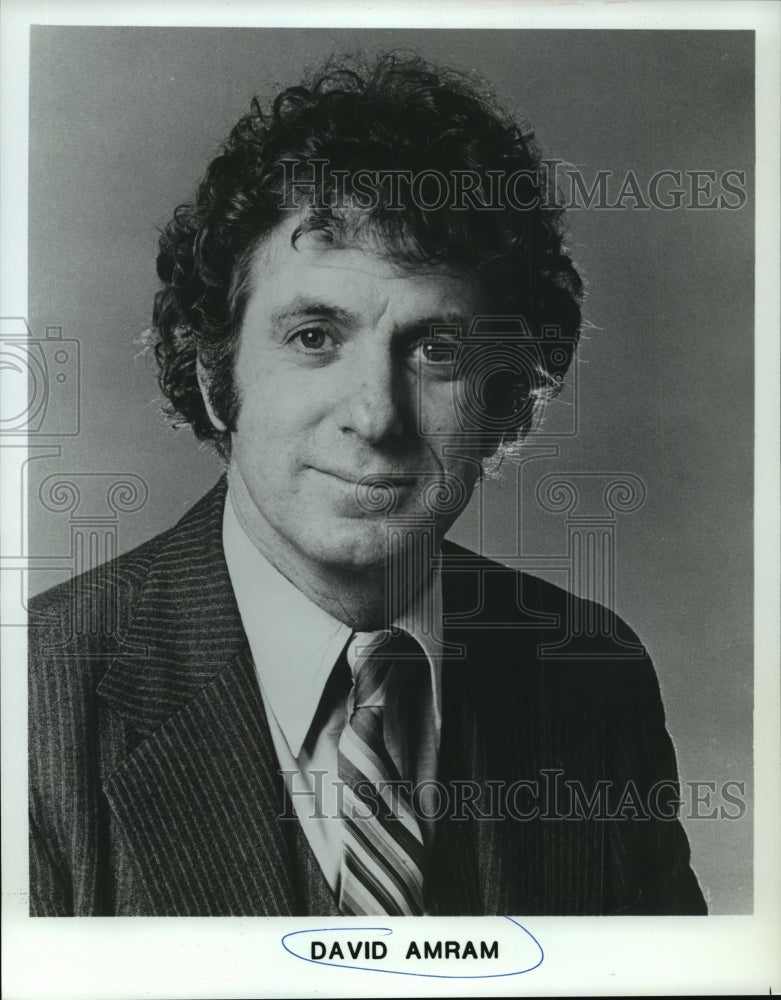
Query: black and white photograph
{"points": [[389, 522]]}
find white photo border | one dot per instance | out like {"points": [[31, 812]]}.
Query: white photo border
{"points": [[242, 957]]}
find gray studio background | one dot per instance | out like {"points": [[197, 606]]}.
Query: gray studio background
{"points": [[122, 124]]}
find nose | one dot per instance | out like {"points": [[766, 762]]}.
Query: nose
{"points": [[375, 397]]}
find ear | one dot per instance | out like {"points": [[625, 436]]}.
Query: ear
{"points": [[204, 385]]}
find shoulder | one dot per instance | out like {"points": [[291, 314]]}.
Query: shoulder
{"points": [[566, 646], [75, 632], [492, 591], [95, 604], [86, 618]]}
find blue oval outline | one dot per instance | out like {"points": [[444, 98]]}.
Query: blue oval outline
{"points": [[400, 972]]}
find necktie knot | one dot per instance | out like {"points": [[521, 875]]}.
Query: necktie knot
{"points": [[371, 656], [370, 669]]}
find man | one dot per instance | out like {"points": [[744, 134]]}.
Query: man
{"points": [[310, 702]]}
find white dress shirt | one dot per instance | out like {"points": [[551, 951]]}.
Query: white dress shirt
{"points": [[295, 645]]}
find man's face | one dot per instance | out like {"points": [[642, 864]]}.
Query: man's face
{"points": [[337, 380]]}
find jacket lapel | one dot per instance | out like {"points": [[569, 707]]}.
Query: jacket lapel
{"points": [[198, 800]]}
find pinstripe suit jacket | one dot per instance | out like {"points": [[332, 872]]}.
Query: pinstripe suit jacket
{"points": [[153, 779]]}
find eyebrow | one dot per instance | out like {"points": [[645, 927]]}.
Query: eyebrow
{"points": [[447, 319], [304, 306]]}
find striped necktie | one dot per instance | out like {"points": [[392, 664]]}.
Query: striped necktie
{"points": [[382, 846]]}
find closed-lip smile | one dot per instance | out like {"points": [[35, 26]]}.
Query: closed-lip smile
{"points": [[368, 478]]}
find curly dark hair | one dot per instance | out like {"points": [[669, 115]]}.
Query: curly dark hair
{"points": [[399, 113]]}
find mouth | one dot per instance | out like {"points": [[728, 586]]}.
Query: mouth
{"points": [[369, 479]]}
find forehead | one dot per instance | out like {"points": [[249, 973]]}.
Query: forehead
{"points": [[287, 265]]}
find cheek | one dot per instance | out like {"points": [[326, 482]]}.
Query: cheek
{"points": [[270, 409], [454, 419], [274, 438], [439, 411]]}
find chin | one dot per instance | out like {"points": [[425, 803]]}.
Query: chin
{"points": [[361, 546]]}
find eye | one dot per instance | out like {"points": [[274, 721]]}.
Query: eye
{"points": [[438, 352], [437, 356], [312, 339]]}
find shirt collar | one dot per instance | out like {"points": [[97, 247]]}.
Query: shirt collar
{"points": [[295, 643]]}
